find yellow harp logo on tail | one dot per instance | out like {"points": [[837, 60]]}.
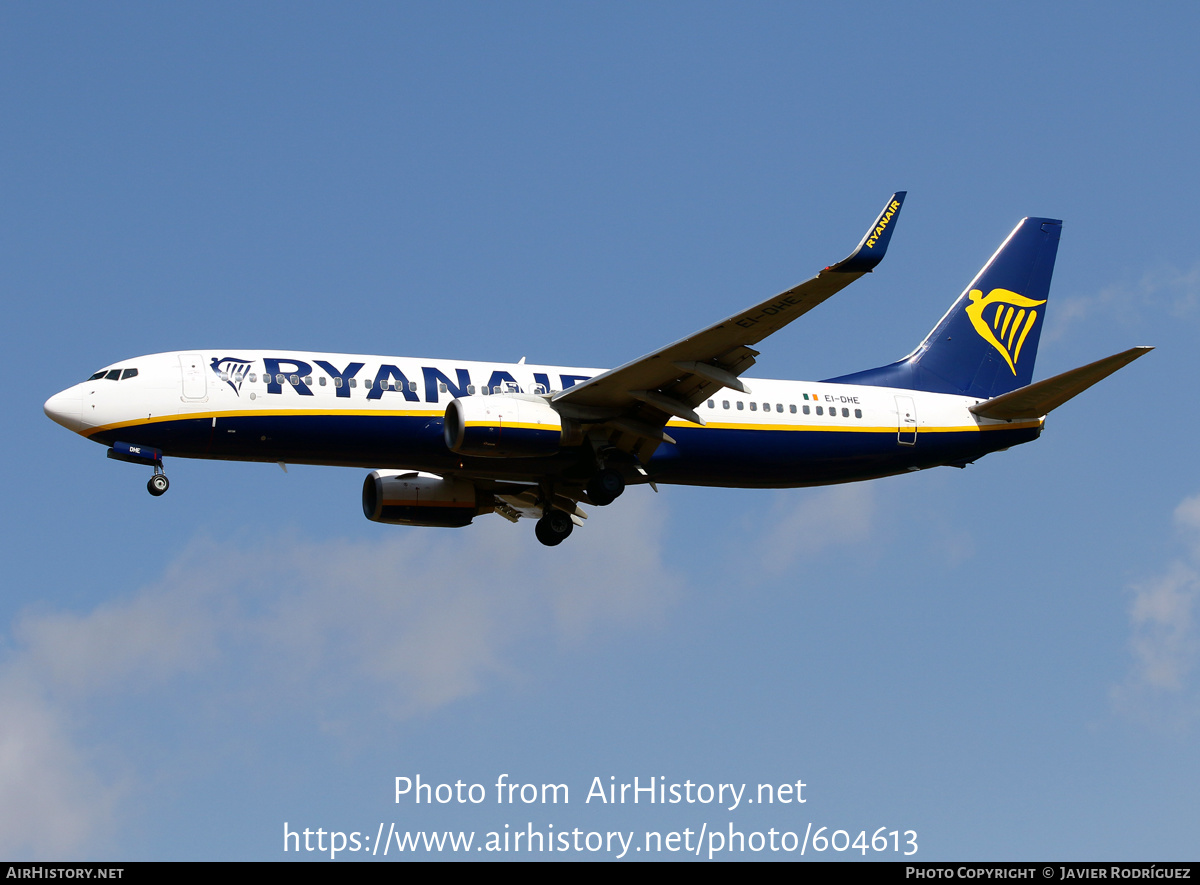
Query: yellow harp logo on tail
{"points": [[1005, 327]]}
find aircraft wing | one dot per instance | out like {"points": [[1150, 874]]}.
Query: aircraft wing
{"points": [[634, 401]]}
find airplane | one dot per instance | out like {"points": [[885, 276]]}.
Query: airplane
{"points": [[447, 441]]}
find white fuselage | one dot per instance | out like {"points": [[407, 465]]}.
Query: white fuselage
{"points": [[377, 411]]}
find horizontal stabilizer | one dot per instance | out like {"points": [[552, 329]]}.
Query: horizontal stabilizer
{"points": [[1036, 400]]}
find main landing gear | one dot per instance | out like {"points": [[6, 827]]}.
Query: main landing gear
{"points": [[605, 487], [556, 525], [553, 528], [158, 483]]}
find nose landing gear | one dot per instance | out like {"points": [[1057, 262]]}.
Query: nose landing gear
{"points": [[133, 453], [158, 484]]}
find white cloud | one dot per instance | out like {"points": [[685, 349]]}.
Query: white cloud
{"points": [[809, 521], [1165, 289], [1187, 519], [150, 637], [1164, 642], [51, 801], [1161, 614], [330, 631]]}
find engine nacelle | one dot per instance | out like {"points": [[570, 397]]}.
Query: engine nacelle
{"points": [[407, 498], [508, 425]]}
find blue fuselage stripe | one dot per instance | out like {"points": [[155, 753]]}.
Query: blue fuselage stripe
{"points": [[711, 456]]}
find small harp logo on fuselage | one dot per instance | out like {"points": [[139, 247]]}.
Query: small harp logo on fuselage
{"points": [[232, 370]]}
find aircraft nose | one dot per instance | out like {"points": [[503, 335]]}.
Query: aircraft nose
{"points": [[64, 408]]}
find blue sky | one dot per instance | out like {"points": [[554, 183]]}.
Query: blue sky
{"points": [[1002, 659]]}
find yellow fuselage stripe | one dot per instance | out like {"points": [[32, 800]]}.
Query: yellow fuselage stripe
{"points": [[409, 413]]}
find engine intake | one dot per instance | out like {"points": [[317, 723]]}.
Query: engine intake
{"points": [[407, 498], [508, 425]]}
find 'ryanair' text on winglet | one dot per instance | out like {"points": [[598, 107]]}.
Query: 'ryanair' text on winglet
{"points": [[873, 246]]}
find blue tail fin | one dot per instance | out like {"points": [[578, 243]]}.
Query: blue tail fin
{"points": [[987, 342]]}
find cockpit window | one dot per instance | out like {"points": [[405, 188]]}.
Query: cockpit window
{"points": [[114, 374]]}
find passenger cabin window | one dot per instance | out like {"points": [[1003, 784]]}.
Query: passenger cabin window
{"points": [[470, 390], [753, 407], [354, 382], [412, 385], [858, 413], [792, 408], [819, 411], [322, 381], [741, 405], [806, 410], [338, 382], [724, 404]]}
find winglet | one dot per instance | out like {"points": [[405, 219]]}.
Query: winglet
{"points": [[873, 246]]}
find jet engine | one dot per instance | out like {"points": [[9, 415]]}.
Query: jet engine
{"points": [[408, 498], [508, 425]]}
